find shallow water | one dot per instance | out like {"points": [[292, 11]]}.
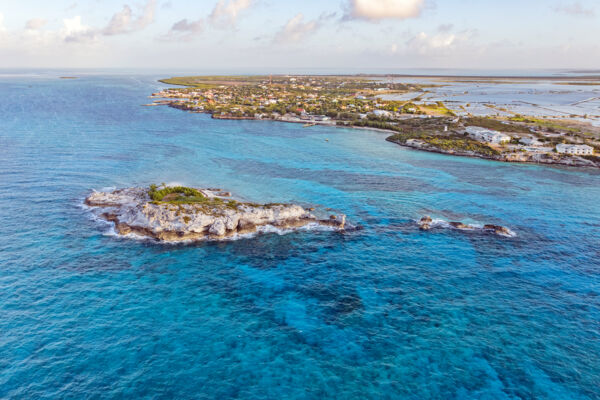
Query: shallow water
{"points": [[538, 98], [384, 312]]}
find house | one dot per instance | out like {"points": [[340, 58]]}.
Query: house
{"points": [[382, 113], [528, 141], [487, 135], [575, 149]]}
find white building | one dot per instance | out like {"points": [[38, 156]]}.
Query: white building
{"points": [[528, 141], [382, 113], [487, 135], [575, 149]]}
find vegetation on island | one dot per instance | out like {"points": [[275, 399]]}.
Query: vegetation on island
{"points": [[179, 195], [496, 125], [372, 102]]}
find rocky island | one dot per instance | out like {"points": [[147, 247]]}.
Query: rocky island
{"points": [[177, 213]]}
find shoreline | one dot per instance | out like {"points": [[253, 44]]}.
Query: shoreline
{"points": [[333, 123]]}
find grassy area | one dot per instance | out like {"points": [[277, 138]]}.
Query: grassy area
{"points": [[175, 193], [460, 143], [179, 195], [448, 143], [496, 125], [547, 124], [206, 82], [438, 108]]}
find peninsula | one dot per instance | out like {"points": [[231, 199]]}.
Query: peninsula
{"points": [[177, 213], [372, 102]]}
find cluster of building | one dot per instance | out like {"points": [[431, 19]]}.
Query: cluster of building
{"points": [[575, 149], [487, 135], [531, 144], [306, 97]]}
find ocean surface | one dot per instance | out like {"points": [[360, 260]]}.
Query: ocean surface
{"points": [[386, 312]]}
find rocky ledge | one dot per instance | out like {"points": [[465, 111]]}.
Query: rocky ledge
{"points": [[182, 214]]}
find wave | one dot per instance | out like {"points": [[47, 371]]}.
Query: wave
{"points": [[261, 230]]}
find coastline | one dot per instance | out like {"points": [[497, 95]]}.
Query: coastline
{"points": [[571, 162]]}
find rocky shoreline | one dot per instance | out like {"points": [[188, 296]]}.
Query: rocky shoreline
{"points": [[547, 159], [213, 215]]}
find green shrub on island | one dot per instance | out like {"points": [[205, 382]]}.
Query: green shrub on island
{"points": [[179, 195], [446, 143], [460, 143], [183, 192]]}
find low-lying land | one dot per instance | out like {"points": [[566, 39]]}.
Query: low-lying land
{"points": [[355, 101], [178, 213]]}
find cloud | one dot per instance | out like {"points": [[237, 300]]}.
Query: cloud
{"points": [[123, 21], [184, 30], [74, 31], [445, 27], [226, 13], [296, 29], [2, 28], [575, 9], [442, 43], [35, 23], [375, 10]]}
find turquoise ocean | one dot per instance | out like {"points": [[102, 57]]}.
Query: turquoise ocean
{"points": [[384, 312]]}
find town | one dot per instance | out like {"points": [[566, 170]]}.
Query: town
{"points": [[372, 102]]}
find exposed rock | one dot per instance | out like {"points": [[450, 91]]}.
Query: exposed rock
{"points": [[336, 221], [217, 228], [460, 225], [425, 223], [133, 212], [497, 229]]}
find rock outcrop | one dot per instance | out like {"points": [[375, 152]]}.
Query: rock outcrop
{"points": [[498, 230], [427, 223], [214, 216]]}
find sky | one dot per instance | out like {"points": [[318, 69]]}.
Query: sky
{"points": [[367, 35]]}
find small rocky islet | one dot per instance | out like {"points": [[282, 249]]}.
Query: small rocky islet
{"points": [[427, 223], [178, 213]]}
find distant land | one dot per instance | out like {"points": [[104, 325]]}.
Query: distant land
{"points": [[386, 103]]}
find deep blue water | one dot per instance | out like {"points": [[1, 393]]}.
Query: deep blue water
{"points": [[384, 312]]}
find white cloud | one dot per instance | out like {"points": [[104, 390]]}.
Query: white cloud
{"points": [[120, 22], [575, 9], [2, 28], [375, 10], [296, 29], [226, 12], [74, 31], [185, 30], [442, 43], [35, 24], [123, 21]]}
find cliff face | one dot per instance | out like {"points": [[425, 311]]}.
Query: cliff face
{"points": [[132, 211]]}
